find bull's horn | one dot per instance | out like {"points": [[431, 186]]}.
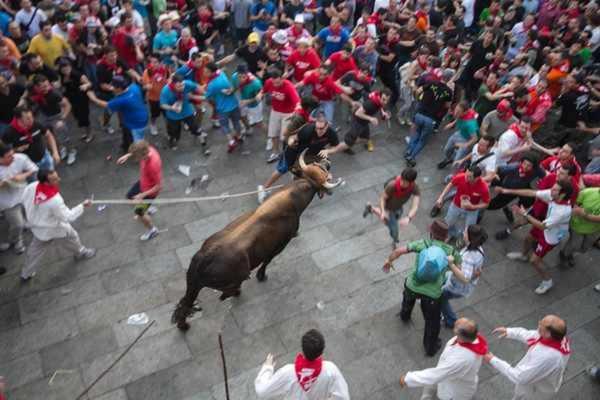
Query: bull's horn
{"points": [[301, 160], [331, 185]]}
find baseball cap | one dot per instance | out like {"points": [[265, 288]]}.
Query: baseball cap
{"points": [[253, 38], [299, 19], [242, 68], [119, 81], [280, 37], [504, 109]]}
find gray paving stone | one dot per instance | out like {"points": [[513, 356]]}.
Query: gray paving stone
{"points": [[240, 386], [306, 243], [23, 370], [173, 238], [50, 302], [368, 177], [580, 387], [120, 305], [70, 353], [9, 316], [129, 275], [118, 394], [148, 356], [203, 334], [64, 386], [37, 334]]}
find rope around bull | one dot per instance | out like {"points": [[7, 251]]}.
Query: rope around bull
{"points": [[181, 199]]}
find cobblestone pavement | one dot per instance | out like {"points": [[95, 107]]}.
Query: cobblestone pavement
{"points": [[72, 316]]}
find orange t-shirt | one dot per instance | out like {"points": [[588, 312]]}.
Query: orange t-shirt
{"points": [[157, 79], [555, 77]]}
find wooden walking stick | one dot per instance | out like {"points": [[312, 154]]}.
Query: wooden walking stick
{"points": [[224, 367]]}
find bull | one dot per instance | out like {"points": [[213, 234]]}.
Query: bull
{"points": [[251, 241]]}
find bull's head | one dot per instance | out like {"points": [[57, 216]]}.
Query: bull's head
{"points": [[317, 173]]}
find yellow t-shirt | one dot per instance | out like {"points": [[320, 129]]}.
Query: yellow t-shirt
{"points": [[49, 50]]}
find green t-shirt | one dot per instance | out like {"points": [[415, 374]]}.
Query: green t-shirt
{"points": [[159, 7], [249, 90], [589, 200], [429, 289], [467, 127]]}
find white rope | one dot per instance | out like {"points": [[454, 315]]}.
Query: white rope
{"points": [[181, 199]]}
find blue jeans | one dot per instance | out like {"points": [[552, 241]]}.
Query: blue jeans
{"points": [[447, 311], [138, 134], [424, 128], [46, 162], [233, 115], [392, 224], [453, 216], [451, 152]]}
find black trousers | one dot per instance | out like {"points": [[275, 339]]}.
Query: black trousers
{"points": [[174, 127], [390, 81], [431, 309]]}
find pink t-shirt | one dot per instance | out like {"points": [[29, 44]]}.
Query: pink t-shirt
{"points": [[150, 170]]}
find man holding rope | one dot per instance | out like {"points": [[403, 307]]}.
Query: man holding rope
{"points": [[149, 185]]}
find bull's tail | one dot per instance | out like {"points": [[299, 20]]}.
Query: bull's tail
{"points": [[185, 307]]}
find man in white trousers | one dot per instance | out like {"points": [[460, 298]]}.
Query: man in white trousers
{"points": [[539, 374], [456, 375], [309, 378], [50, 221]]}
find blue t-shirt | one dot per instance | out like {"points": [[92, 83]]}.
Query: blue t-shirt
{"points": [[214, 91], [167, 96], [332, 41], [130, 104], [269, 8], [162, 40], [188, 74]]}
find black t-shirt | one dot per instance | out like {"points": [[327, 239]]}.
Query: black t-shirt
{"points": [[71, 88], [277, 64], [251, 58], [104, 74], [479, 56], [574, 107], [433, 100], [9, 102], [29, 73], [510, 178], [360, 87], [370, 108], [387, 68], [51, 104], [308, 139], [37, 145], [291, 11]]}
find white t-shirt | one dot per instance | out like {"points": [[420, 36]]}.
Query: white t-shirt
{"points": [[487, 165], [507, 141], [469, 6], [23, 18], [557, 218], [12, 192]]}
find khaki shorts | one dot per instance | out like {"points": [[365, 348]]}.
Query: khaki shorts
{"points": [[278, 123]]}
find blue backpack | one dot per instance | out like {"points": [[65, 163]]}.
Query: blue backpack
{"points": [[431, 262]]}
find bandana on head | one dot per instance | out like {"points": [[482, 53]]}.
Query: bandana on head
{"points": [[44, 192], [563, 345], [375, 97], [307, 371], [479, 346]]}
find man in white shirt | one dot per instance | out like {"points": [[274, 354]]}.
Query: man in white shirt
{"points": [[30, 18], [547, 234], [455, 376], [50, 221], [513, 142], [309, 378], [15, 169], [539, 374]]}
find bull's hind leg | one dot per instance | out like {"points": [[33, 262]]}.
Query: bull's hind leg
{"points": [[231, 292], [186, 307], [261, 274]]}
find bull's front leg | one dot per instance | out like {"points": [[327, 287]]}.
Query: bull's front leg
{"points": [[261, 274]]}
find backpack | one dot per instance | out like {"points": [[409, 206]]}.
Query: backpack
{"points": [[431, 261]]}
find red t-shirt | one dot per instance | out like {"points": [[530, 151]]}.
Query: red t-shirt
{"points": [[539, 208], [150, 170], [302, 63], [123, 42], [477, 191], [553, 164], [323, 90], [341, 65], [283, 98]]}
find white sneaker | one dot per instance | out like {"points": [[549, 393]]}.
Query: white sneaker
{"points": [[86, 253], [72, 157], [19, 247], [149, 234], [203, 136], [63, 153], [6, 246], [262, 194], [597, 287], [544, 287], [216, 123], [272, 158], [516, 256], [243, 129], [153, 130], [152, 210], [269, 145], [110, 130]]}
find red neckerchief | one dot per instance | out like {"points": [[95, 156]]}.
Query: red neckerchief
{"points": [[44, 192], [469, 114], [249, 80], [563, 346], [515, 128], [564, 66], [307, 371], [205, 17], [178, 95], [296, 32], [375, 97], [420, 14], [38, 97], [185, 47], [522, 171], [391, 42], [335, 31], [373, 19], [21, 130], [110, 66], [302, 113], [214, 75], [479, 346], [365, 79], [424, 65]]}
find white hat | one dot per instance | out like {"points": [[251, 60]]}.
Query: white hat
{"points": [[303, 40], [299, 18], [280, 37], [162, 19]]}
